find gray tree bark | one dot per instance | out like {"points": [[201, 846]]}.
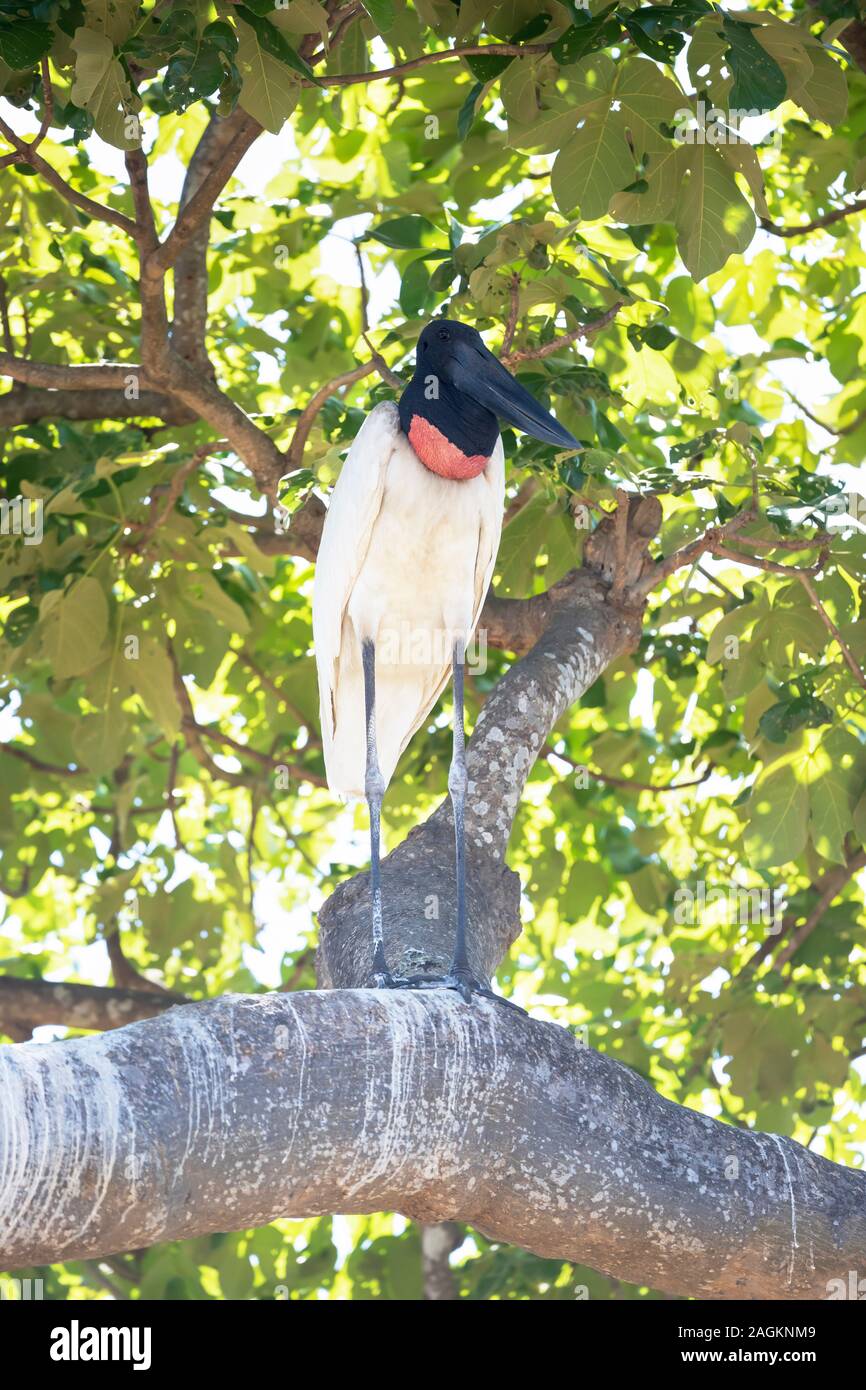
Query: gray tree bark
{"points": [[231, 1113]]}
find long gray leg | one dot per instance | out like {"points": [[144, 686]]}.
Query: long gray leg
{"points": [[459, 976], [374, 790], [457, 782]]}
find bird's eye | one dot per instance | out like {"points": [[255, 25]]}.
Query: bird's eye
{"points": [[443, 334]]}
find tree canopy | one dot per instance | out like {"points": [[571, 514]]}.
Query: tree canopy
{"points": [[222, 227]]}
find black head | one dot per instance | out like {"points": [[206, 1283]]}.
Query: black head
{"points": [[459, 372]]}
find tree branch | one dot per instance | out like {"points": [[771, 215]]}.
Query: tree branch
{"points": [[25, 407], [37, 1003], [306, 419], [221, 150], [470, 50], [136, 167], [585, 330], [96, 375], [827, 220], [362, 1101], [805, 578], [26, 153], [437, 1243], [189, 319], [831, 886]]}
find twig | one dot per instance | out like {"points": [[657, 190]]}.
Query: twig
{"points": [[8, 340], [586, 330], [757, 562], [833, 883], [308, 415], [251, 850], [624, 783], [146, 530], [365, 296], [840, 431], [382, 367], [171, 779], [805, 578], [54, 768], [505, 50], [196, 733], [26, 153], [784, 230]]}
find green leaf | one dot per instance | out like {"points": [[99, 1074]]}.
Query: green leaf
{"points": [[114, 18], [403, 233], [594, 165], [779, 807], [466, 114], [823, 95], [382, 14], [787, 716], [759, 82], [102, 89], [713, 219], [586, 35], [23, 42], [624, 107], [274, 43], [101, 740], [150, 676], [295, 488], [269, 92], [414, 287], [74, 627]]}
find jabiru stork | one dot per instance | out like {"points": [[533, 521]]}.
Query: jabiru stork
{"points": [[404, 564]]}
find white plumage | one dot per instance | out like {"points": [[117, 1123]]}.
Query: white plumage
{"points": [[406, 559]]}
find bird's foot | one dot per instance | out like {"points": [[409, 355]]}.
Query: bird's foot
{"points": [[463, 983], [383, 979]]}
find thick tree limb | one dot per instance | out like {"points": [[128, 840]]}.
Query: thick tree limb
{"points": [[26, 406], [221, 150], [232, 1113], [92, 375], [437, 1243], [189, 319], [257, 450], [35, 1003]]}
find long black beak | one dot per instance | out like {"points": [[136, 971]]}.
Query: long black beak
{"points": [[482, 376]]}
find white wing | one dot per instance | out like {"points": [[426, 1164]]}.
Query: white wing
{"points": [[490, 530], [355, 504]]}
